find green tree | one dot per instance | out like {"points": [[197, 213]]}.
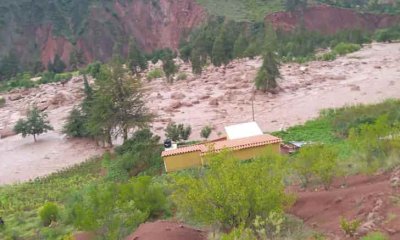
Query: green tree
{"points": [[177, 132], [57, 65], [137, 62], [76, 59], [232, 194], [196, 62], [220, 56], [205, 132], [240, 46], [268, 73], [35, 124], [169, 66], [117, 105], [75, 125]]}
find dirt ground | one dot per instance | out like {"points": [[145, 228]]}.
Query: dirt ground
{"points": [[167, 230], [373, 200], [219, 97]]}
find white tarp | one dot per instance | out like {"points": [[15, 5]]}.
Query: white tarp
{"points": [[243, 130]]}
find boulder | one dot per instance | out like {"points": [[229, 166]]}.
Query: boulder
{"points": [[213, 102], [15, 97], [177, 96], [175, 105]]}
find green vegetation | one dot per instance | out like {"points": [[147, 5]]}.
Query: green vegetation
{"points": [[169, 67], [387, 34], [35, 124], [375, 236], [155, 73], [178, 132], [349, 227], [205, 132], [345, 48], [231, 194], [48, 213]]}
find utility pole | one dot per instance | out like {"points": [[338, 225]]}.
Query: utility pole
{"points": [[253, 96]]}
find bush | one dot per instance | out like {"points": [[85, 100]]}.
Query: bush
{"points": [[116, 209], [375, 236], [345, 48], [349, 227], [330, 56], [48, 213], [177, 132], [76, 124], [182, 76], [205, 132], [141, 153], [316, 160], [387, 35], [155, 73], [231, 193]]}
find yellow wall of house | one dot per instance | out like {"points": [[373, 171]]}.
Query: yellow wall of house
{"points": [[182, 161], [193, 159]]}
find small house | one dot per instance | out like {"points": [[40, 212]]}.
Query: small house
{"points": [[245, 141]]}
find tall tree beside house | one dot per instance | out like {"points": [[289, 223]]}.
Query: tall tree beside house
{"points": [[269, 71], [137, 62], [169, 66], [35, 124], [117, 105]]}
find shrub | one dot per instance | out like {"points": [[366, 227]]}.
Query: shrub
{"points": [[375, 236], [177, 132], [155, 73], [330, 56], [75, 125], [345, 48], [205, 132], [182, 76], [387, 35], [349, 227], [116, 209], [231, 193], [48, 213]]}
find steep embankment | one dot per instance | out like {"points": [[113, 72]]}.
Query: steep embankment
{"points": [[40, 30], [328, 20]]}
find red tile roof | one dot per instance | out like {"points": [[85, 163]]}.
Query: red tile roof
{"points": [[217, 146]]}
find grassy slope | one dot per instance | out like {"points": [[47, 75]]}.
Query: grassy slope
{"points": [[19, 203]]}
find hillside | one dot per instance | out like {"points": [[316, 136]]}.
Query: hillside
{"points": [[34, 32]]}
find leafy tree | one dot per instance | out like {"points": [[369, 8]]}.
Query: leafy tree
{"points": [[240, 46], [185, 52], [177, 132], [35, 124], [205, 132], [268, 73], [220, 55], [169, 67], [117, 105], [76, 124], [231, 194], [57, 65], [137, 62], [76, 59], [140, 154]]}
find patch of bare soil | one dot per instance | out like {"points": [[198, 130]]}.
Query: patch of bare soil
{"points": [[167, 230], [374, 200]]}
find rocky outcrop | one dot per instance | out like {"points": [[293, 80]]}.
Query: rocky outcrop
{"points": [[327, 19]]}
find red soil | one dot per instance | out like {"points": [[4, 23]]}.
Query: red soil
{"points": [[328, 20], [361, 197], [166, 230]]}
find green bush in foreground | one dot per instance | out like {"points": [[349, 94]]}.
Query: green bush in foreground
{"points": [[48, 213], [155, 73], [345, 48], [231, 193], [375, 236]]}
